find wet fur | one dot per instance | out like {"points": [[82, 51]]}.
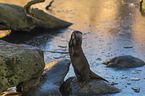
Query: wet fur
{"points": [[79, 61]]}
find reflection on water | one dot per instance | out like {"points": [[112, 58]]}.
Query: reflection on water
{"points": [[10, 92]]}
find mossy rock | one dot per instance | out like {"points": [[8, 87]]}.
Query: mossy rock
{"points": [[19, 63], [13, 17]]}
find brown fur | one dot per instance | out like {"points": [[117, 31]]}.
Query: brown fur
{"points": [[79, 61]]}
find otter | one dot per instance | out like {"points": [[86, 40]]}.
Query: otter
{"points": [[79, 61]]}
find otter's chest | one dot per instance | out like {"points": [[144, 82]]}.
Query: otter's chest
{"points": [[79, 63]]}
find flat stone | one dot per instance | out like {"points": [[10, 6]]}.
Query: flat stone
{"points": [[126, 61], [93, 87]]}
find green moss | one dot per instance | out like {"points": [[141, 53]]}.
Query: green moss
{"points": [[17, 20], [20, 65], [14, 80]]}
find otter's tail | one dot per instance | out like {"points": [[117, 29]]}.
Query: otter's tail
{"points": [[95, 76]]}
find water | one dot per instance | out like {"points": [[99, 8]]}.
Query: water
{"points": [[110, 28]]}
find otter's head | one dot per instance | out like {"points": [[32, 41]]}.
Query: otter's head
{"points": [[76, 39]]}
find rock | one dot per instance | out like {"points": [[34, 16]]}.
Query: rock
{"points": [[128, 83], [136, 89], [114, 83], [134, 79], [19, 63], [126, 61], [92, 88], [24, 86], [13, 17], [99, 59], [50, 83]]}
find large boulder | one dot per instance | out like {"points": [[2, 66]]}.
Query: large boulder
{"points": [[126, 61], [19, 63], [13, 17], [51, 81], [93, 87]]}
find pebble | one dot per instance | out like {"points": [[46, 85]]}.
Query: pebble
{"points": [[99, 59], [129, 47], [128, 83], [136, 89], [134, 79], [62, 46], [114, 83]]}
